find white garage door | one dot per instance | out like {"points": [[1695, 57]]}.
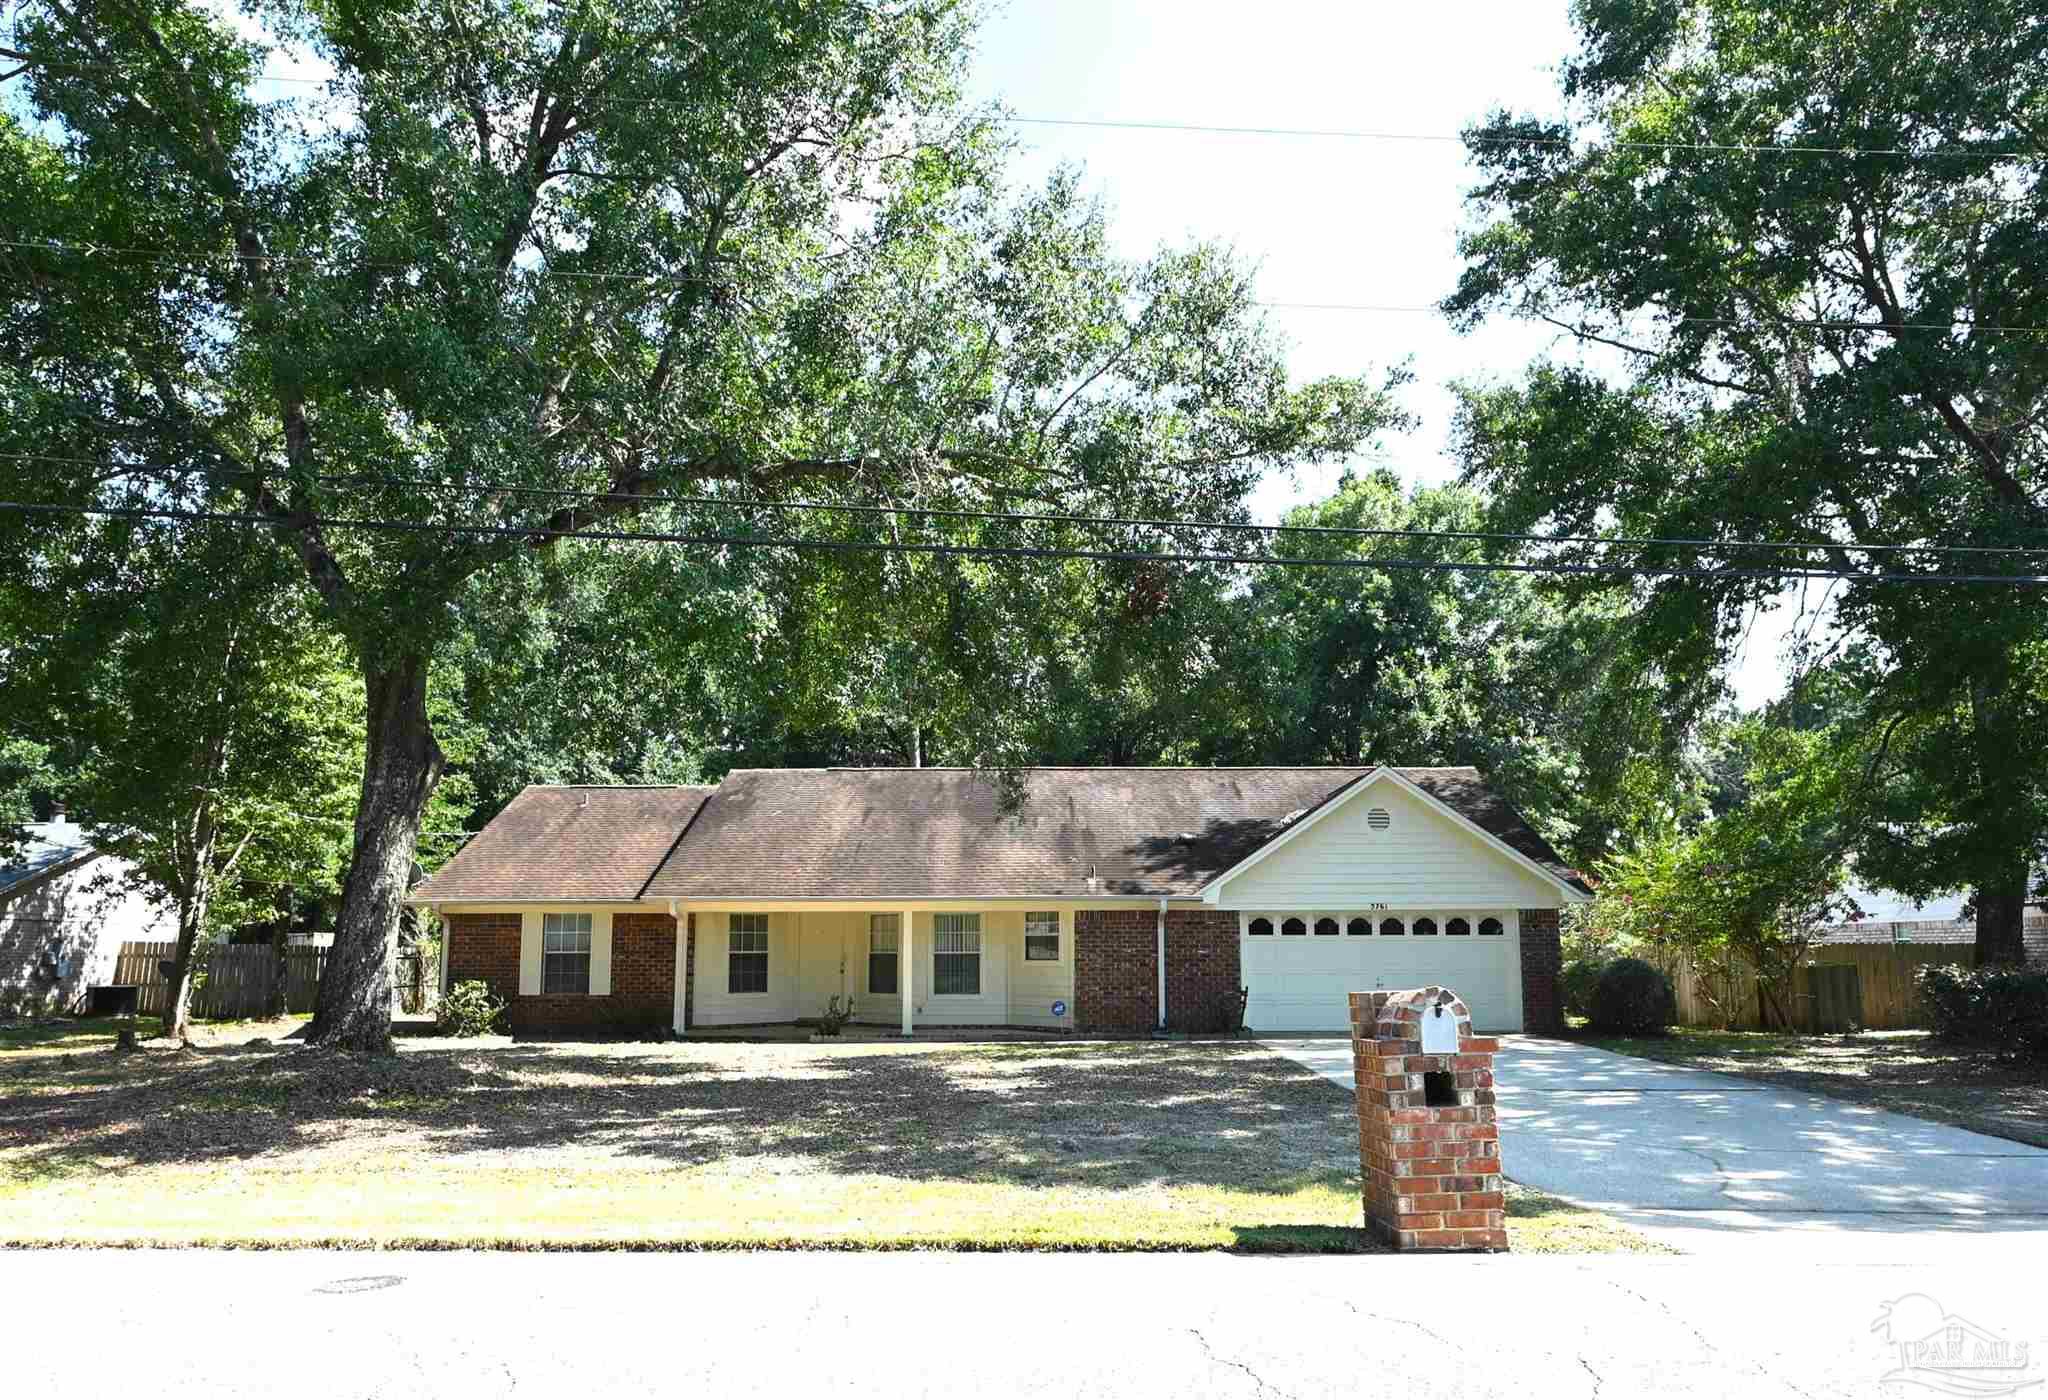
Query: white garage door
{"points": [[1302, 968]]}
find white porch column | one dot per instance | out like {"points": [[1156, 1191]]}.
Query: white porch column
{"points": [[682, 989], [906, 965], [1161, 955]]}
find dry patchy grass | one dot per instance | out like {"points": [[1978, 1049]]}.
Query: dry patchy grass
{"points": [[517, 1145]]}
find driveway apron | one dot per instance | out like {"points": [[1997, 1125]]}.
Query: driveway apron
{"points": [[1713, 1163]]}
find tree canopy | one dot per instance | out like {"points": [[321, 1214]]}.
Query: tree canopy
{"points": [[1814, 238], [516, 271]]}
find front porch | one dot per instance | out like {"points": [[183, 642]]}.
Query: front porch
{"points": [[957, 965]]}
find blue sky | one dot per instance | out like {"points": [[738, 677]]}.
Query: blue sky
{"points": [[1366, 222]]}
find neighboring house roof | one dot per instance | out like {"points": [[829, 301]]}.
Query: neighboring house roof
{"points": [[560, 843], [878, 833], [50, 846]]}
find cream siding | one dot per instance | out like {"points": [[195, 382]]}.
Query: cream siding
{"points": [[600, 953], [529, 953], [716, 1004], [1423, 857], [991, 1006], [1035, 986]]}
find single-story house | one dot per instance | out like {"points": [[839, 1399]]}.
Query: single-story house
{"points": [[1097, 900], [65, 910]]}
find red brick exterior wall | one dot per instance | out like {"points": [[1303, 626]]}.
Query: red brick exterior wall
{"points": [[1542, 962], [1202, 972], [1116, 968], [486, 947], [1116, 972]]}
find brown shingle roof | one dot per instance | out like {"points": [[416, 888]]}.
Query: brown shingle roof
{"points": [[598, 843], [941, 833]]}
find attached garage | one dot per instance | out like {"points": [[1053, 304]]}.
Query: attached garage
{"points": [[1300, 969], [1384, 886]]}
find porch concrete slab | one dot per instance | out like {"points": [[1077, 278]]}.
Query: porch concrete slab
{"points": [[447, 1325], [1712, 1163]]}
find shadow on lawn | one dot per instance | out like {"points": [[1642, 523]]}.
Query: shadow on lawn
{"points": [[1112, 1117]]}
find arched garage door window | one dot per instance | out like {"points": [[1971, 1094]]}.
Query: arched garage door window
{"points": [[1261, 928], [1293, 928], [1425, 928]]}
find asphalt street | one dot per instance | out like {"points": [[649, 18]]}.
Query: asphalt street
{"points": [[318, 1324]]}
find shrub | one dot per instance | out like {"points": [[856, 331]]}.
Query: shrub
{"points": [[1577, 981], [2005, 1008], [832, 1020], [1632, 998], [469, 1009]]}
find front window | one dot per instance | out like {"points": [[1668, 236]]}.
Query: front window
{"points": [[565, 954], [1042, 936], [956, 955], [746, 953], [884, 955]]}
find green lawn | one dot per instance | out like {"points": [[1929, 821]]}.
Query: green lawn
{"points": [[699, 1145], [1904, 1071]]}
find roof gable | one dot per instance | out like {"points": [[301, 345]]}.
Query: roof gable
{"points": [[567, 843], [1526, 852]]}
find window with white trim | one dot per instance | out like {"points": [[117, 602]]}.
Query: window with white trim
{"points": [[746, 953], [956, 955], [1042, 936], [565, 954], [884, 954]]}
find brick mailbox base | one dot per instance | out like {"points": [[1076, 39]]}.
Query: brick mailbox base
{"points": [[1427, 1137]]}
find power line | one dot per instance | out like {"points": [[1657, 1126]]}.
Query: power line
{"points": [[1954, 151], [1058, 518], [1479, 138], [975, 551], [200, 257]]}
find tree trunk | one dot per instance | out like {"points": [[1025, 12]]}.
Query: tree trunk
{"points": [[2001, 919], [401, 764], [178, 996]]}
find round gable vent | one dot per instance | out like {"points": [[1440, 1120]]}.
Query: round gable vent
{"points": [[1378, 818]]}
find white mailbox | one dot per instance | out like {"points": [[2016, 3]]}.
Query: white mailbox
{"points": [[1439, 1032]]}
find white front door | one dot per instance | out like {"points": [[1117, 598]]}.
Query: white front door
{"points": [[820, 962], [1300, 968]]}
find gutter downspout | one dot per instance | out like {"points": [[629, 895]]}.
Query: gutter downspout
{"points": [[1162, 962]]}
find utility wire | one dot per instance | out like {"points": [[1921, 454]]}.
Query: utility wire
{"points": [[1954, 151], [201, 258], [1054, 518], [973, 551]]}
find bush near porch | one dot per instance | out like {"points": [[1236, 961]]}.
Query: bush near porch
{"points": [[702, 1145]]}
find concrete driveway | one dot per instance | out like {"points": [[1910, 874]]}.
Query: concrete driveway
{"points": [[1710, 1163]]}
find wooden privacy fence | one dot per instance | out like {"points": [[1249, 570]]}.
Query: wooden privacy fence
{"points": [[238, 978], [1845, 984]]}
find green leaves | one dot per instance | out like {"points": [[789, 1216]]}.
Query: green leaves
{"points": [[1791, 237]]}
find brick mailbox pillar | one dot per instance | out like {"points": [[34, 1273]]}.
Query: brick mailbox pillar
{"points": [[1428, 1141]]}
